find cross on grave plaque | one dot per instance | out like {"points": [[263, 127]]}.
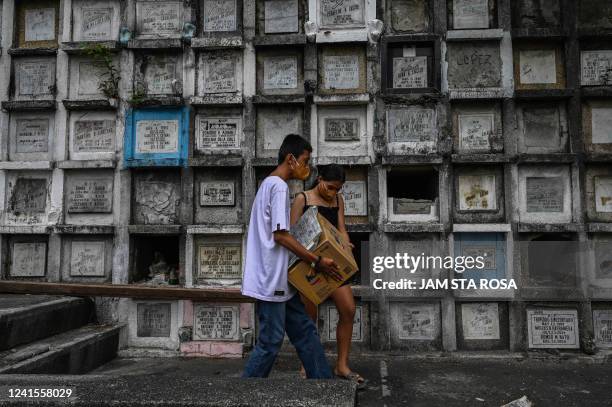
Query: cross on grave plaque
{"points": [[217, 133], [596, 68], [217, 193], [96, 23], [410, 125], [552, 328], [220, 15], [40, 24], [90, 195], [280, 72], [341, 71], [410, 72], [29, 259], [159, 18], [601, 123], [32, 136], [216, 261], [480, 321], [29, 195], [92, 136], [87, 259], [603, 194], [157, 136], [355, 198], [280, 16], [477, 192], [35, 77], [544, 194], [216, 322], [475, 131], [153, 320], [602, 326], [332, 321], [417, 322], [537, 66], [219, 73], [338, 13], [470, 14]]}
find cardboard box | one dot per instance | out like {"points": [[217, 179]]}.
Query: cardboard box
{"points": [[317, 286]]}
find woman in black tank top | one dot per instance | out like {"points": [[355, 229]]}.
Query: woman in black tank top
{"points": [[330, 205]]}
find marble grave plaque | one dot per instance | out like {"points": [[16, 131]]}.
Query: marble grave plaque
{"points": [[601, 124], [159, 18], [602, 325], [87, 258], [355, 198], [32, 136], [275, 125], [216, 322], [537, 66], [410, 125], [220, 15], [29, 195], [338, 13], [417, 322], [477, 192], [332, 322], [92, 136], [552, 328], [341, 129], [159, 75], [603, 194], [341, 71], [544, 194], [470, 14], [90, 195], [410, 72], [218, 262], [280, 72], [280, 16], [157, 136], [96, 23], [218, 133], [217, 193], [90, 74], [541, 127], [35, 78], [408, 206], [473, 65], [409, 15], [219, 73], [29, 259], [40, 24], [475, 131], [480, 321], [596, 68], [157, 202], [153, 320]]}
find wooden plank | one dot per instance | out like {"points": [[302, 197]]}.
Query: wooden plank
{"points": [[124, 290]]}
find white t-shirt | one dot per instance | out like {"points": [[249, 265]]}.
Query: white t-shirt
{"points": [[265, 271]]}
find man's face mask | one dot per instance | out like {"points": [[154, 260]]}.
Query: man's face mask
{"points": [[300, 171]]}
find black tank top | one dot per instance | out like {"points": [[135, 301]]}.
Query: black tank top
{"points": [[329, 212]]}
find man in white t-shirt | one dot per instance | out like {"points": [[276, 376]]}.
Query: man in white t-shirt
{"points": [[279, 309]]}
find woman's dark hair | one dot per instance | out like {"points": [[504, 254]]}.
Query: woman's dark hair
{"points": [[331, 172]]}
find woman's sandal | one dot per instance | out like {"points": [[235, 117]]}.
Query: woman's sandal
{"points": [[354, 377]]}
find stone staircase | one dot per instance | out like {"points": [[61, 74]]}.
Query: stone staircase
{"points": [[52, 335]]}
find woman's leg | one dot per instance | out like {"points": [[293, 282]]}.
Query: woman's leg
{"points": [[345, 304]]}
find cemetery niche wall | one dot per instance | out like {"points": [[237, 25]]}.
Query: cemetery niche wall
{"points": [[465, 128]]}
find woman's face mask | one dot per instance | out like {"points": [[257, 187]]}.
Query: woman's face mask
{"points": [[327, 191], [300, 171]]}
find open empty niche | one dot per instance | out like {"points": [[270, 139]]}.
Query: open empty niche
{"points": [[153, 258], [412, 194], [549, 259]]}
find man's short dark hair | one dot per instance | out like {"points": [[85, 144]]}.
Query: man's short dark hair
{"points": [[293, 144]]}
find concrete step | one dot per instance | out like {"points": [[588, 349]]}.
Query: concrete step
{"points": [[27, 318], [184, 390], [74, 352]]}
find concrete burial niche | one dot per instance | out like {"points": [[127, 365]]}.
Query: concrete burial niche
{"points": [[87, 258], [33, 78], [410, 67], [280, 16], [412, 129], [280, 71], [602, 324], [88, 197], [218, 131], [415, 326], [219, 76], [95, 20], [545, 194], [536, 13], [341, 70], [549, 261], [274, 122], [86, 76], [553, 328], [339, 21], [31, 136], [295, 186], [159, 74], [342, 131], [92, 135], [595, 65], [27, 257], [601, 257], [597, 125], [482, 325], [542, 127], [36, 23], [152, 257], [492, 247], [328, 321], [539, 65], [220, 17], [217, 260], [594, 14], [154, 324], [159, 18], [408, 16], [479, 194], [156, 197], [477, 128], [471, 14], [355, 195], [420, 203], [218, 196], [598, 188], [474, 65], [27, 197]]}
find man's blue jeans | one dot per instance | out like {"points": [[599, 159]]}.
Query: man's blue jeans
{"points": [[276, 317]]}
